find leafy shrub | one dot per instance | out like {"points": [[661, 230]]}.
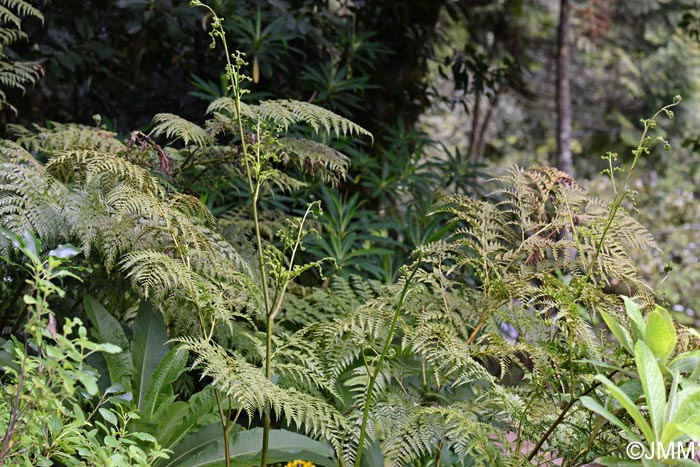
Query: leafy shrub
{"points": [[52, 409]]}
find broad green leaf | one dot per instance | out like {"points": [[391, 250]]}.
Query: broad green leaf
{"points": [[636, 319], [108, 330], [245, 447], [618, 331], [200, 412], [653, 384], [690, 429], [30, 246], [595, 406], [89, 382], [148, 349], [165, 374], [688, 408], [64, 251], [660, 334], [684, 463], [196, 442], [169, 418], [629, 406], [108, 416], [671, 433], [687, 362]]}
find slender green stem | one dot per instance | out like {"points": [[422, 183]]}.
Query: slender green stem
{"points": [[562, 416], [622, 192], [252, 175], [268, 374], [380, 361], [438, 454]]}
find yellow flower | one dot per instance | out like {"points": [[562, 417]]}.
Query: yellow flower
{"points": [[299, 463]]}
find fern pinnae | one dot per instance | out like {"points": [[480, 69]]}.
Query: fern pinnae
{"points": [[287, 112], [249, 386], [83, 165], [175, 127], [56, 137], [23, 8]]}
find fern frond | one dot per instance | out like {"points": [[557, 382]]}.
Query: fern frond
{"points": [[7, 16], [13, 152], [316, 159], [287, 113], [253, 392], [22, 7], [177, 128], [15, 74], [10, 36], [422, 429], [57, 137], [84, 166], [227, 104], [154, 272]]}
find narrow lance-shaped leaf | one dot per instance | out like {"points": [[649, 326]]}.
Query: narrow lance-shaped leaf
{"points": [[629, 406], [653, 385], [635, 315], [148, 349], [165, 374], [595, 406], [618, 331], [108, 330]]}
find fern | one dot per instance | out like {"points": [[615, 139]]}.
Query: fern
{"points": [[177, 128], [320, 160], [57, 137], [250, 388], [286, 113], [15, 74]]}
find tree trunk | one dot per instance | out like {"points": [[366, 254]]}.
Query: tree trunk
{"points": [[564, 158]]}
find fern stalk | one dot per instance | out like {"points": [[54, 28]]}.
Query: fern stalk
{"points": [[254, 186], [621, 194], [380, 361]]}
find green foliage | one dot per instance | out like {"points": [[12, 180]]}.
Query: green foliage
{"points": [[659, 398], [52, 408], [344, 236], [478, 354], [15, 74]]}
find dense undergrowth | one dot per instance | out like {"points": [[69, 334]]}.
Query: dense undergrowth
{"points": [[294, 322]]}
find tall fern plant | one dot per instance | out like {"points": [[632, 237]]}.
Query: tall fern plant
{"points": [[258, 128]]}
